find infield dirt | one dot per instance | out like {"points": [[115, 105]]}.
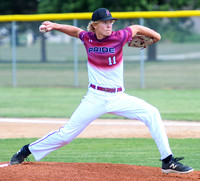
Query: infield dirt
{"points": [[50, 171], [100, 128]]}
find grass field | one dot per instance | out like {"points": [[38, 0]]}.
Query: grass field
{"points": [[61, 102], [158, 75], [126, 151]]}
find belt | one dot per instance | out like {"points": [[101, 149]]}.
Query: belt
{"points": [[112, 90]]}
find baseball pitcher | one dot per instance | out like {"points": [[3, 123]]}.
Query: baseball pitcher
{"points": [[106, 94]]}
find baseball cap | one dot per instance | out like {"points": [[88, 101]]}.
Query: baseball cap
{"points": [[102, 14]]}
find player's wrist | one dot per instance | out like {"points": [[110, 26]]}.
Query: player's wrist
{"points": [[56, 26]]}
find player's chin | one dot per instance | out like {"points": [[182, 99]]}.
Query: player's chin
{"points": [[108, 33]]}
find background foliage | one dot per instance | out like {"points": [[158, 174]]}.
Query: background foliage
{"points": [[66, 6]]}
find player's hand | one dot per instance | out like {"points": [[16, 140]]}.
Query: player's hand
{"points": [[48, 26]]}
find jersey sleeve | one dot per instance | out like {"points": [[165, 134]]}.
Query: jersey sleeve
{"points": [[125, 35], [82, 35]]}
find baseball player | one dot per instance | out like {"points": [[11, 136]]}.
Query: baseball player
{"points": [[105, 94]]}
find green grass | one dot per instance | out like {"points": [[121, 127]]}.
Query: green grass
{"points": [[61, 102], [133, 151], [158, 74]]}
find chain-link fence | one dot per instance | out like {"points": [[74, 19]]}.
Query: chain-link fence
{"points": [[48, 59]]}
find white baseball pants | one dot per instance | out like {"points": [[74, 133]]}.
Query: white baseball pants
{"points": [[95, 104]]}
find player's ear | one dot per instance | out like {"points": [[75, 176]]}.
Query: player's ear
{"points": [[94, 25]]}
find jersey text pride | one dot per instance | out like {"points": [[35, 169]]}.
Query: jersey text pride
{"points": [[101, 50]]}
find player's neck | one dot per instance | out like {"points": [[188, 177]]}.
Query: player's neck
{"points": [[100, 36]]}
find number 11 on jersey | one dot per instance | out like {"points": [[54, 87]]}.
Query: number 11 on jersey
{"points": [[112, 60]]}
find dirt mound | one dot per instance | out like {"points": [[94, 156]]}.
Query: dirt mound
{"points": [[88, 172]]}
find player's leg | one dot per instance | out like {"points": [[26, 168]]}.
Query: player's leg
{"points": [[135, 108], [91, 107]]}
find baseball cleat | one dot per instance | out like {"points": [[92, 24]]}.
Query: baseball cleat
{"points": [[19, 157], [175, 167]]}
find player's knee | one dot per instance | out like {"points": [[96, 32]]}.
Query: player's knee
{"points": [[65, 140], [155, 110], [152, 113], [155, 115], [64, 137]]}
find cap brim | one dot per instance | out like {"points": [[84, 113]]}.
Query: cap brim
{"points": [[108, 18]]}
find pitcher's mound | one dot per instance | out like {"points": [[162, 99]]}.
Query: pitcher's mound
{"points": [[57, 171]]}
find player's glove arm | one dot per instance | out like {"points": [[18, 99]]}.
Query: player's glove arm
{"points": [[142, 30]]}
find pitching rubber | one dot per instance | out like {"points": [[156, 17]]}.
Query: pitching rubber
{"points": [[4, 165]]}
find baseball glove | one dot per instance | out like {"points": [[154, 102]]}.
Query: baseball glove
{"points": [[140, 41]]}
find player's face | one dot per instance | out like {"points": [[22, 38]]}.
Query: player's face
{"points": [[103, 29]]}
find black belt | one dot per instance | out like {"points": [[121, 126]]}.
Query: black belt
{"points": [[112, 90]]}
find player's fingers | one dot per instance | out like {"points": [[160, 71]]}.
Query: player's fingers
{"points": [[46, 22], [49, 29], [48, 26]]}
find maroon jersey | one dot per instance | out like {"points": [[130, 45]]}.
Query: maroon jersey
{"points": [[105, 57]]}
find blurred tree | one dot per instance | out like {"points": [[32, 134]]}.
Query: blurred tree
{"points": [[18, 6], [65, 6]]}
